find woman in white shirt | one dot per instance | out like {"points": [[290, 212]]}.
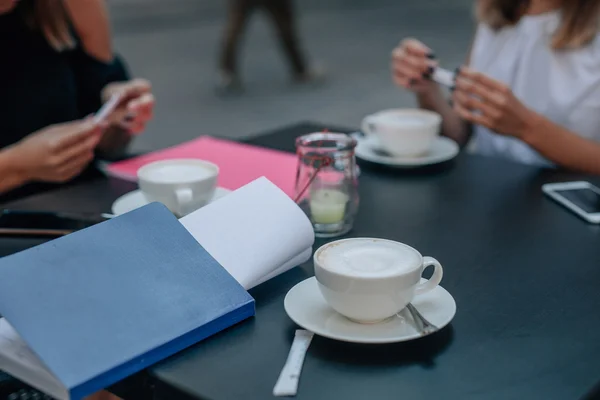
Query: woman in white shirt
{"points": [[531, 89]]}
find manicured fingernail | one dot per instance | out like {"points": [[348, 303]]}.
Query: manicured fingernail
{"points": [[431, 55], [427, 74], [412, 82]]}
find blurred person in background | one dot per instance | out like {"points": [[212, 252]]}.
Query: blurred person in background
{"points": [[57, 68], [282, 14], [530, 90]]}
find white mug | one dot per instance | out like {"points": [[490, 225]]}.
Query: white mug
{"points": [[403, 133], [183, 185], [369, 280]]}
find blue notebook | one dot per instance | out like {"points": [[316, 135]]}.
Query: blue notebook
{"points": [[89, 309]]}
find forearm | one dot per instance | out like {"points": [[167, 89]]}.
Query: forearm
{"points": [[562, 146], [91, 22], [10, 176], [453, 126]]}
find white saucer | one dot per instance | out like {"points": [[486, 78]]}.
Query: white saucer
{"points": [[136, 199], [306, 306], [443, 149]]}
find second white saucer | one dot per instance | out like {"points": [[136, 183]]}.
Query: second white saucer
{"points": [[136, 199], [443, 149], [306, 306]]}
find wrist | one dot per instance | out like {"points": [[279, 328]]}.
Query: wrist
{"points": [[530, 129], [431, 96], [13, 173], [18, 162]]}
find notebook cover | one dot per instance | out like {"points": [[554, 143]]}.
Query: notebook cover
{"points": [[103, 303], [239, 163]]}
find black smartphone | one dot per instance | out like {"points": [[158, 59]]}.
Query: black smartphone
{"points": [[44, 223]]}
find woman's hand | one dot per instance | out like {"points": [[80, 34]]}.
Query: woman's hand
{"points": [[412, 66], [136, 107], [57, 153], [482, 100], [7, 6]]}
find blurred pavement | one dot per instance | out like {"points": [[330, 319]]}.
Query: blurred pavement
{"points": [[175, 44]]}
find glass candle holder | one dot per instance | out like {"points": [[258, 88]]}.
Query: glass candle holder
{"points": [[327, 183]]}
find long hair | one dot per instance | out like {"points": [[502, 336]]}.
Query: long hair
{"points": [[50, 18], [579, 24]]}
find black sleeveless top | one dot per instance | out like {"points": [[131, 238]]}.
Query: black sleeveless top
{"points": [[40, 86]]}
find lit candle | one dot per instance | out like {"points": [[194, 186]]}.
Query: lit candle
{"points": [[328, 206]]}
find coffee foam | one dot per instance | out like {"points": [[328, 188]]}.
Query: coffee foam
{"points": [[368, 258], [402, 121], [179, 173]]}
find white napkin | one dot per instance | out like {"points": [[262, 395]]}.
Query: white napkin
{"points": [[256, 232]]}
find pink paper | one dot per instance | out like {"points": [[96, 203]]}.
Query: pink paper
{"points": [[239, 163]]}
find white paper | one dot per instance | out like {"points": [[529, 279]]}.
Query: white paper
{"points": [[255, 232], [17, 359], [299, 259]]}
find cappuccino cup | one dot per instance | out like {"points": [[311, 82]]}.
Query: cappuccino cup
{"points": [[403, 133], [369, 280], [182, 185]]}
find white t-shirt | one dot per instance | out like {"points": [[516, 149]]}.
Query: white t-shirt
{"points": [[564, 86]]}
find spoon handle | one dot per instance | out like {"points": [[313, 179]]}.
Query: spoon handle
{"points": [[423, 326]]}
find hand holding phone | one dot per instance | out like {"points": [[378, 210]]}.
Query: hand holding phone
{"points": [[134, 108], [58, 152], [414, 66]]}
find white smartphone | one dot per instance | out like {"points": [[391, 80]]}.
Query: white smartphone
{"points": [[444, 77], [107, 108], [582, 198]]}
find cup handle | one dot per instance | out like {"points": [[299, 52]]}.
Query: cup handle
{"points": [[435, 279], [367, 125], [184, 196]]}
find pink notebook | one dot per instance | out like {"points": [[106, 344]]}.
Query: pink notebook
{"points": [[238, 163]]}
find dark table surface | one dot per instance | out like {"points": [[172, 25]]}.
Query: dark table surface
{"points": [[524, 273]]}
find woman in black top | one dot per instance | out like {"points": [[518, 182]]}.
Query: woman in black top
{"points": [[56, 69]]}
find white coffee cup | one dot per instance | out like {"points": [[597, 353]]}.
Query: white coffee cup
{"points": [[403, 133], [183, 185], [369, 280]]}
